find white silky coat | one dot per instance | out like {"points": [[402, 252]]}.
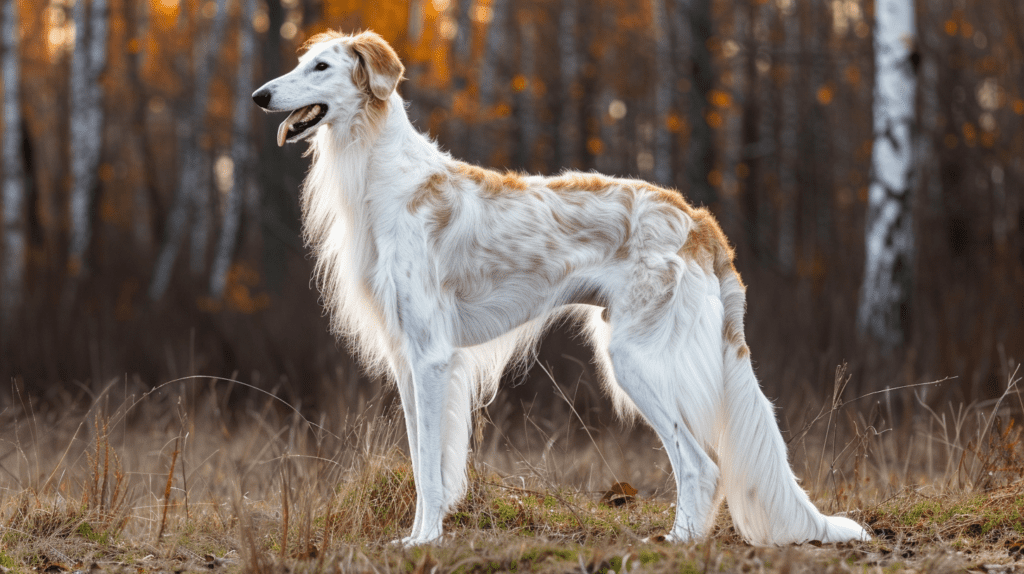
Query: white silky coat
{"points": [[440, 273]]}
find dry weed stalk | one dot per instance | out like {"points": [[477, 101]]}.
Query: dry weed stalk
{"points": [[167, 490], [284, 515], [105, 497]]}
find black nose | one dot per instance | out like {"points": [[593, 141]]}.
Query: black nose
{"points": [[262, 98]]}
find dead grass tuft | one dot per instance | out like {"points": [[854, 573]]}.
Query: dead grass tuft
{"points": [[274, 492]]}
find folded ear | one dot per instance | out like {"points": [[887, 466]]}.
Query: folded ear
{"points": [[379, 69]]}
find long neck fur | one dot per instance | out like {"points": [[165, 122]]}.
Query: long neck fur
{"points": [[360, 176]]}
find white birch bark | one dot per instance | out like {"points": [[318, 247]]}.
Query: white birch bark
{"points": [[415, 21], [239, 152], [569, 63], [194, 183], [201, 196], [663, 84], [889, 241], [86, 119], [14, 244]]}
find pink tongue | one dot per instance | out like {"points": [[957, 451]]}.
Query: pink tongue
{"points": [[292, 119]]}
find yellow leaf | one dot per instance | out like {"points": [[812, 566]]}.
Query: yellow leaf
{"points": [[620, 493], [825, 95]]}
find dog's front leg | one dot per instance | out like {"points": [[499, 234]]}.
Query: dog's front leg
{"points": [[431, 369], [408, 398]]}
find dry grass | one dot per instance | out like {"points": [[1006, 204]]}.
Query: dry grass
{"points": [[168, 482]]}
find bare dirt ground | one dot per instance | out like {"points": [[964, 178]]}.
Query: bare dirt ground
{"points": [[174, 481]]}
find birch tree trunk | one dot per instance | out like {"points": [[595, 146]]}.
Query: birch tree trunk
{"points": [[610, 160], [201, 198], [86, 118], [495, 46], [735, 116], [415, 100], [239, 151], [460, 55], [693, 29], [137, 18], [13, 277], [526, 105], [194, 183], [749, 171], [788, 143], [663, 84], [928, 157], [889, 242], [569, 64]]}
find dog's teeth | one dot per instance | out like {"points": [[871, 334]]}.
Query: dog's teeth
{"points": [[298, 116]]}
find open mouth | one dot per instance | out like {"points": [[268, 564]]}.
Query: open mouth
{"points": [[300, 123]]}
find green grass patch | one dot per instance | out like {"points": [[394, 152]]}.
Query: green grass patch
{"points": [[85, 530]]}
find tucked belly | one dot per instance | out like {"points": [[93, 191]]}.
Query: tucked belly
{"points": [[490, 313]]}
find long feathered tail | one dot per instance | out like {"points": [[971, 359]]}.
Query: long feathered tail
{"points": [[768, 505]]}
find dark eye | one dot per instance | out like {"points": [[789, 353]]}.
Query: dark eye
{"points": [[321, 66]]}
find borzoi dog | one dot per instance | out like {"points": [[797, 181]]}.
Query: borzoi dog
{"points": [[440, 273]]}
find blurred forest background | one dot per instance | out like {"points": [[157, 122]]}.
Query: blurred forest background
{"points": [[151, 225]]}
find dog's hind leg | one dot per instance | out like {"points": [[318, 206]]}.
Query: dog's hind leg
{"points": [[666, 357], [641, 373]]}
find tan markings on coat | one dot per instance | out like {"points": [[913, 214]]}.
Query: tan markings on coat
{"points": [[571, 226], [742, 352], [627, 197], [383, 70], [434, 194], [325, 36], [733, 333], [440, 218], [701, 245], [579, 182], [707, 245], [431, 192], [622, 253], [673, 198], [491, 182]]}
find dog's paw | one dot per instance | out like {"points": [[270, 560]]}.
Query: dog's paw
{"points": [[413, 541], [676, 536]]}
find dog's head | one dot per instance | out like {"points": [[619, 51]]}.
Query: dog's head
{"points": [[338, 77]]}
